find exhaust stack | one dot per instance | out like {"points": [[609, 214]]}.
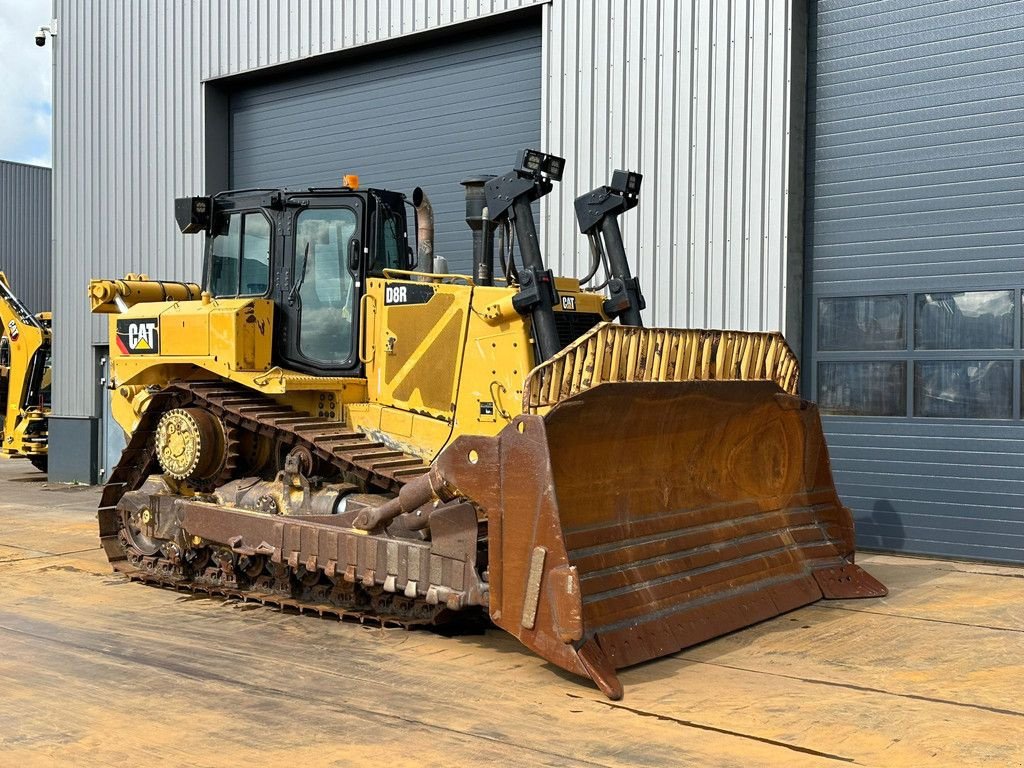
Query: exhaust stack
{"points": [[483, 229], [424, 228]]}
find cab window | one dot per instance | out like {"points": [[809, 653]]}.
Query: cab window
{"points": [[391, 245], [326, 296], [240, 256]]}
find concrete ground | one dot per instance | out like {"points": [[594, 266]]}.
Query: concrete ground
{"points": [[98, 671]]}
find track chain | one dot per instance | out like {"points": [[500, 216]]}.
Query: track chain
{"points": [[378, 467]]}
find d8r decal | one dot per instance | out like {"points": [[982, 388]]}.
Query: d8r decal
{"points": [[407, 293], [138, 337]]}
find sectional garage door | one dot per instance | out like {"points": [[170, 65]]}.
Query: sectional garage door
{"points": [[916, 265], [429, 115]]}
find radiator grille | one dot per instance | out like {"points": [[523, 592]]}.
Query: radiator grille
{"points": [[572, 325]]}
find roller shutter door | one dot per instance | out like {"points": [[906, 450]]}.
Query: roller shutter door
{"points": [[915, 269], [425, 116]]}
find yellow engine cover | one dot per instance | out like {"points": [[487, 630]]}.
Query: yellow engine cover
{"points": [[220, 335]]}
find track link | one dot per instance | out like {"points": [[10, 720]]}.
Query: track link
{"points": [[346, 452]]}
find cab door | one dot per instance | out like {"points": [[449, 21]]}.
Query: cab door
{"points": [[321, 283]]}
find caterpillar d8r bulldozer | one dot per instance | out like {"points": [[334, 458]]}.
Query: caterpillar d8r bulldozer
{"points": [[24, 378], [320, 426]]}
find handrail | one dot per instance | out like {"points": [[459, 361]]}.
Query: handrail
{"points": [[398, 273], [365, 357]]}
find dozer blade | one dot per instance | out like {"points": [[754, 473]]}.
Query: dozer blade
{"points": [[636, 519]]}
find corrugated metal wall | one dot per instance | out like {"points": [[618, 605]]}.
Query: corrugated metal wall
{"points": [[917, 152], [357, 116], [128, 128], [25, 255], [695, 95]]}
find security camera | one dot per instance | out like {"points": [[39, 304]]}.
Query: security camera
{"points": [[46, 31]]}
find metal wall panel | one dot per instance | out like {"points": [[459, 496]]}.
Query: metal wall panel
{"points": [[916, 153], [695, 95], [948, 489], [242, 35], [25, 232], [128, 128], [415, 117]]}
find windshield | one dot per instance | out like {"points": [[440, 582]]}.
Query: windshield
{"points": [[323, 237]]}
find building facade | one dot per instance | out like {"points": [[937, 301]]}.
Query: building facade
{"points": [[155, 100], [845, 172], [25, 227], [915, 264]]}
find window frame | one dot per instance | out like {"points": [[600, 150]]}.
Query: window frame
{"points": [[208, 272], [910, 356], [920, 339], [357, 281]]}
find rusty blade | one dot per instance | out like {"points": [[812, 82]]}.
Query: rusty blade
{"points": [[634, 520]]}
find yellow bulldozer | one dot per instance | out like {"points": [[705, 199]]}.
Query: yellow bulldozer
{"points": [[325, 426], [24, 378]]}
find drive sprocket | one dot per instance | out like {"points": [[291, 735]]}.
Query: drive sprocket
{"points": [[190, 444]]}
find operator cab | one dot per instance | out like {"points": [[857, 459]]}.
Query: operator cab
{"points": [[310, 252]]}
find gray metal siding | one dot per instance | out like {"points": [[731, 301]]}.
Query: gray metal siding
{"points": [[25, 255], [427, 117], [917, 151], [932, 488], [240, 36], [129, 123], [695, 95]]}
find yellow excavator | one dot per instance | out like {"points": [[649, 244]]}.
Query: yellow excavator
{"points": [[24, 378], [320, 425]]}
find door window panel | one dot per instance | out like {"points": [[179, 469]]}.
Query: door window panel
{"points": [[963, 361], [869, 323], [863, 388], [973, 389], [965, 320], [326, 296]]}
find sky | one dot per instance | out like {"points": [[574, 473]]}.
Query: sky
{"points": [[26, 108]]}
